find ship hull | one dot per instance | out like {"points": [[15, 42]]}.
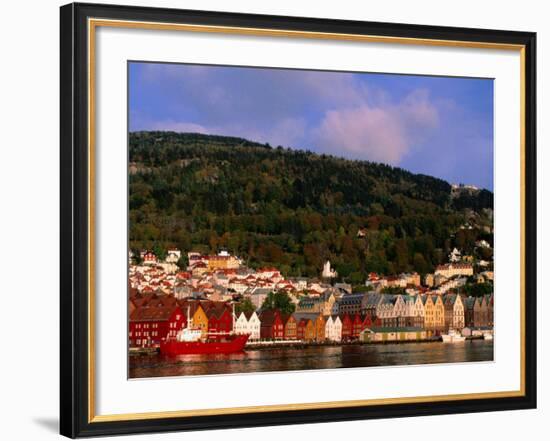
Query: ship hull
{"points": [[228, 346], [452, 339]]}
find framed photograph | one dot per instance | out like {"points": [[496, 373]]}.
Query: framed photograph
{"points": [[278, 220]]}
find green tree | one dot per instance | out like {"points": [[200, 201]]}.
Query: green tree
{"points": [[245, 306], [356, 278], [159, 251], [420, 264], [136, 256], [279, 300], [478, 289], [182, 262]]}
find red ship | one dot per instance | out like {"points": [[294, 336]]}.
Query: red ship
{"points": [[227, 344], [191, 341]]}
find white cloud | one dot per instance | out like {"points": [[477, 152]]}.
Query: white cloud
{"points": [[176, 126]]}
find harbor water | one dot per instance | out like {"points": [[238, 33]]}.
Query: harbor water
{"points": [[310, 357]]}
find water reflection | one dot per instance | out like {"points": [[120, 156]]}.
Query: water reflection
{"points": [[323, 357]]}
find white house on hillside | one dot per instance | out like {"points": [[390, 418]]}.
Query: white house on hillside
{"points": [[172, 255], [455, 256]]}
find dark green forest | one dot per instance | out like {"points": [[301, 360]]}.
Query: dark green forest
{"points": [[294, 209]]}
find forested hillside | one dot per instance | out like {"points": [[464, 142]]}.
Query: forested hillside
{"points": [[294, 209]]}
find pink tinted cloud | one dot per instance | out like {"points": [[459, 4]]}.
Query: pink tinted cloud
{"points": [[363, 132], [418, 110], [378, 132]]}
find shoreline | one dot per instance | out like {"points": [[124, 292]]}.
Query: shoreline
{"points": [[267, 345]]}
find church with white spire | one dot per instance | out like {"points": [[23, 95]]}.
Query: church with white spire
{"points": [[328, 272]]}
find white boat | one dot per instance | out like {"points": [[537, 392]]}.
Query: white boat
{"points": [[487, 336], [452, 337]]}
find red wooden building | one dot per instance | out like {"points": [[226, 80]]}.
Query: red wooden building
{"points": [[347, 327], [367, 322], [148, 325], [220, 319], [271, 325], [356, 326], [301, 329]]}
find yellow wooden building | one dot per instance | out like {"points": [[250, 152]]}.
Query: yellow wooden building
{"points": [[291, 328], [439, 314], [200, 320]]}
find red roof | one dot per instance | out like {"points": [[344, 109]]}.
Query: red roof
{"points": [[152, 313], [217, 310]]}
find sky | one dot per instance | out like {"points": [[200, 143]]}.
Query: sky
{"points": [[439, 126]]}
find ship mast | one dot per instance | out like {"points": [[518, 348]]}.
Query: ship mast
{"points": [[234, 319]]}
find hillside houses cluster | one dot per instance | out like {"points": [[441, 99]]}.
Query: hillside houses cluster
{"points": [[220, 278], [163, 300]]}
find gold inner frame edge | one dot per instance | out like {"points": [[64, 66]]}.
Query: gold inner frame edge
{"points": [[92, 25]]}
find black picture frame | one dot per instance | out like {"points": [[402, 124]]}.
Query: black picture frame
{"points": [[75, 416]]}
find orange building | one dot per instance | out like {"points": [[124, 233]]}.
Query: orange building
{"points": [[291, 328], [320, 324], [306, 330]]}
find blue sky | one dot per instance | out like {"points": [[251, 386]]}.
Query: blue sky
{"points": [[438, 126]]}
